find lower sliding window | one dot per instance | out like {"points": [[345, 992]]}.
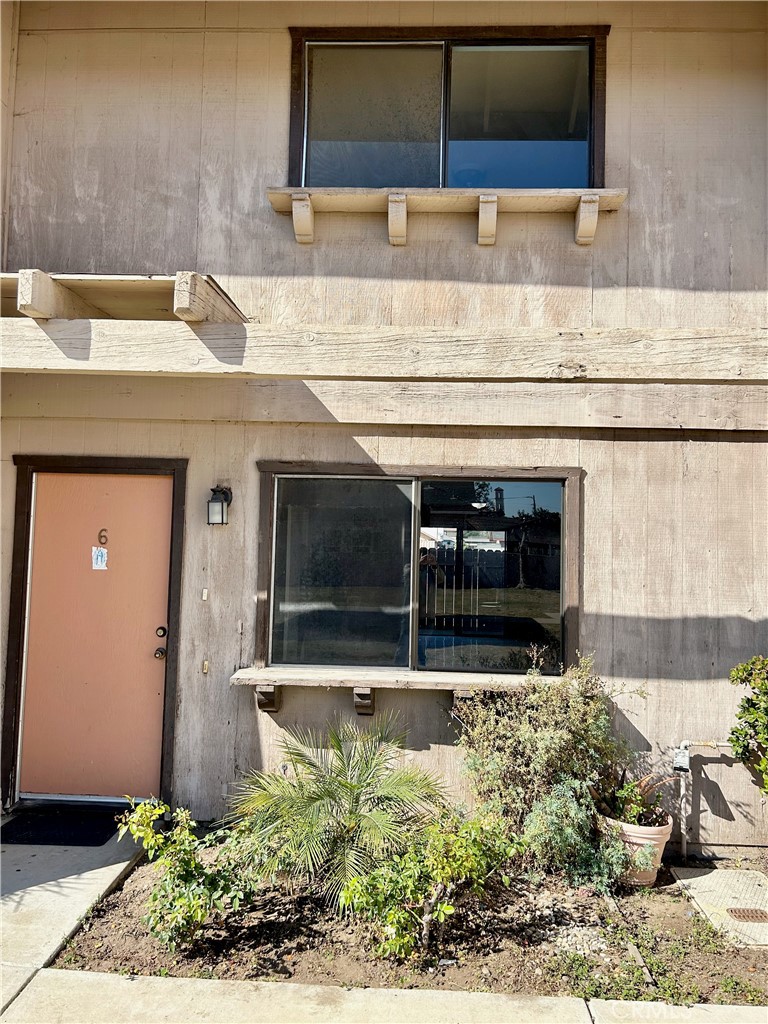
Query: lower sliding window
{"points": [[439, 574]]}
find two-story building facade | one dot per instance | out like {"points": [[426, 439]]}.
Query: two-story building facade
{"points": [[455, 313]]}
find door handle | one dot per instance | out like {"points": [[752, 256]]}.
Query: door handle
{"points": [[160, 652]]}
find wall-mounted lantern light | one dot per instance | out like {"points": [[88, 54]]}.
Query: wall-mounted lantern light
{"points": [[218, 506]]}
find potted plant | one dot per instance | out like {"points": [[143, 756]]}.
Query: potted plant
{"points": [[633, 808]]}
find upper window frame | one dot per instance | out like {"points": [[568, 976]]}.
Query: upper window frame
{"points": [[595, 35]]}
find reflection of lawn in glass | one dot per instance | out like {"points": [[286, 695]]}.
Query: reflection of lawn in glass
{"points": [[543, 605], [368, 598], [533, 603]]}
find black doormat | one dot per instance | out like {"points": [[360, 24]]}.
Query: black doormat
{"points": [[60, 826]]}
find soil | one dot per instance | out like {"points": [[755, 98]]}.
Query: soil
{"points": [[536, 937]]}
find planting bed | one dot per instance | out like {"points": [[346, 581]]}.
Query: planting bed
{"points": [[537, 937]]}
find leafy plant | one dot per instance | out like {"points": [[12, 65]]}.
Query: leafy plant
{"points": [[742, 991], [562, 833], [749, 738], [345, 803], [633, 801], [521, 743], [189, 890], [412, 891]]}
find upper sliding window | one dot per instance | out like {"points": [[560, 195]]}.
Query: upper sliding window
{"points": [[430, 108], [442, 574]]}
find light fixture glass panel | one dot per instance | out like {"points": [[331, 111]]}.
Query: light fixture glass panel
{"points": [[519, 117], [342, 572], [374, 115], [489, 574], [217, 513]]}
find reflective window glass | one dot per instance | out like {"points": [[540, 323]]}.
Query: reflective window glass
{"points": [[489, 574], [342, 572], [519, 117], [374, 116]]}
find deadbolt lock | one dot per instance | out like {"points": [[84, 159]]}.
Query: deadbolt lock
{"points": [[160, 652], [161, 631]]}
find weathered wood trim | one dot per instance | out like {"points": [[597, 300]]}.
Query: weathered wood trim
{"points": [[598, 62], [200, 299], [14, 653], [572, 554], [387, 353], [264, 565], [330, 199], [40, 297], [343, 677], [296, 128], [537, 406], [425, 472], [26, 467], [446, 33]]}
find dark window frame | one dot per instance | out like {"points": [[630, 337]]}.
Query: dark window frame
{"points": [[572, 535], [595, 35]]}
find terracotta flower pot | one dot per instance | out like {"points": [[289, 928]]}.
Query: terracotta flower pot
{"points": [[639, 837]]}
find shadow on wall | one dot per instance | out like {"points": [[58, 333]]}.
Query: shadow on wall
{"points": [[706, 799], [698, 648]]}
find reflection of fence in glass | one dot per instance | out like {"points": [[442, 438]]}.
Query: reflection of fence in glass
{"points": [[481, 608], [485, 576]]}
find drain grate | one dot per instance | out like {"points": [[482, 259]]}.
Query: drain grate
{"points": [[752, 914]]}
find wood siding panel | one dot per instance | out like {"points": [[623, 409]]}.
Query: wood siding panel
{"points": [[147, 145]]}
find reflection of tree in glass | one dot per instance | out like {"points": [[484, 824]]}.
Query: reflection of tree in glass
{"points": [[526, 520], [483, 491]]}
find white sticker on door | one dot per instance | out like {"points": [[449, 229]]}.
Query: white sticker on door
{"points": [[98, 558]]}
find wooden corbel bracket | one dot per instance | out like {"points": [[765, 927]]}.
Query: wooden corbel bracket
{"points": [[397, 218], [303, 218], [268, 698], [586, 219], [486, 220], [364, 698]]}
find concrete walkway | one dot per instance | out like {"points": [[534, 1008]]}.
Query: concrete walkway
{"points": [[78, 997], [46, 891]]}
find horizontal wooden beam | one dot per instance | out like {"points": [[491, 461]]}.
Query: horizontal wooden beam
{"points": [[42, 298], [537, 405], [385, 353], [200, 299]]}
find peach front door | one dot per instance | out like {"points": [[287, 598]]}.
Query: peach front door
{"points": [[93, 687]]}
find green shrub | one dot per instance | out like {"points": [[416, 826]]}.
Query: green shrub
{"points": [[749, 738], [562, 833], [189, 890], [346, 803], [521, 743], [407, 894]]}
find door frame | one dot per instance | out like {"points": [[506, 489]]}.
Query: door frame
{"points": [[26, 467]]}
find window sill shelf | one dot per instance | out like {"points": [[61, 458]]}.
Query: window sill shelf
{"points": [[375, 678], [584, 203]]}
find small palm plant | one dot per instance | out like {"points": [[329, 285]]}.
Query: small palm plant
{"points": [[345, 802]]}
